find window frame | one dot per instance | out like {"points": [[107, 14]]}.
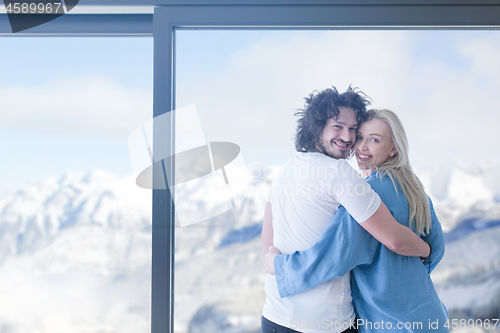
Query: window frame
{"points": [[172, 15]]}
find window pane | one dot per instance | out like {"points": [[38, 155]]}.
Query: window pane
{"points": [[246, 86], [75, 230]]}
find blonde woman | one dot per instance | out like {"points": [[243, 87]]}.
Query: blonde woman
{"points": [[390, 292]]}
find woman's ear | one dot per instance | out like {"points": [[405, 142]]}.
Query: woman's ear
{"points": [[394, 151]]}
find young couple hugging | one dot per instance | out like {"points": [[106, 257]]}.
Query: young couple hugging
{"points": [[339, 249]]}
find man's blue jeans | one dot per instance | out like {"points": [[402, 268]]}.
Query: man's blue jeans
{"points": [[268, 326]]}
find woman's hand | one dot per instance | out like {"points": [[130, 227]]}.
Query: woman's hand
{"points": [[269, 260]]}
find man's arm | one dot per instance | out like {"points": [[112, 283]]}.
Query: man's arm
{"points": [[341, 247], [267, 230], [365, 205], [396, 237]]}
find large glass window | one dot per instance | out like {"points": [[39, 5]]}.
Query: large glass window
{"points": [[246, 86], [75, 230], [75, 236]]}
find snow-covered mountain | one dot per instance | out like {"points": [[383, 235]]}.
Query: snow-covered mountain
{"points": [[468, 277], [467, 202], [55, 219], [79, 246], [75, 254], [461, 191]]}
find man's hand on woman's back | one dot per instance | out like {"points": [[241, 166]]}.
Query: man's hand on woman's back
{"points": [[269, 259]]}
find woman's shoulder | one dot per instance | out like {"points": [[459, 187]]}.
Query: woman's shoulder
{"points": [[376, 179], [383, 185]]}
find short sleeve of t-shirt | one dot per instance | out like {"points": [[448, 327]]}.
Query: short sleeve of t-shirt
{"points": [[354, 193]]}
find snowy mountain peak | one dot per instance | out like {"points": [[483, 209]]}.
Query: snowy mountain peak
{"points": [[35, 214], [462, 191]]}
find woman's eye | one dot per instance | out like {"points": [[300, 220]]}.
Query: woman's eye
{"points": [[337, 126], [374, 140], [358, 138]]}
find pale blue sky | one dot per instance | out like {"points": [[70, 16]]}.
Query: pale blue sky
{"points": [[32, 153], [439, 82], [34, 61], [68, 104]]}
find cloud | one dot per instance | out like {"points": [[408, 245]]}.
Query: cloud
{"points": [[76, 301], [93, 105], [482, 52], [448, 110], [454, 115], [264, 84]]}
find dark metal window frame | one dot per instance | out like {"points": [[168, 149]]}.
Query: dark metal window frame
{"points": [[172, 15]]}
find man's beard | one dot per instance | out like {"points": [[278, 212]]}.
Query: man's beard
{"points": [[338, 155]]}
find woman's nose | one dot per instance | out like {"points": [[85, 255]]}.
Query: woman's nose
{"points": [[362, 146]]}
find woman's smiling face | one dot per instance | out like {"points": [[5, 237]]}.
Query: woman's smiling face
{"points": [[373, 144]]}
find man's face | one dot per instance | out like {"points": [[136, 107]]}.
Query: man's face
{"points": [[339, 134]]}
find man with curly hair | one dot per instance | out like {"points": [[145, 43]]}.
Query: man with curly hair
{"points": [[304, 197]]}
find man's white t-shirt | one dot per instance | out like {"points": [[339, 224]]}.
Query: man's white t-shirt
{"points": [[304, 197]]}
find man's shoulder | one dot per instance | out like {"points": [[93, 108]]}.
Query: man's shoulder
{"points": [[319, 159], [323, 164], [316, 167]]}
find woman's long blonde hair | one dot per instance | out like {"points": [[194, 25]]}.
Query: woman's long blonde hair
{"points": [[399, 168]]}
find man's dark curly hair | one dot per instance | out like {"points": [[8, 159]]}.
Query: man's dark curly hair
{"points": [[321, 105]]}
